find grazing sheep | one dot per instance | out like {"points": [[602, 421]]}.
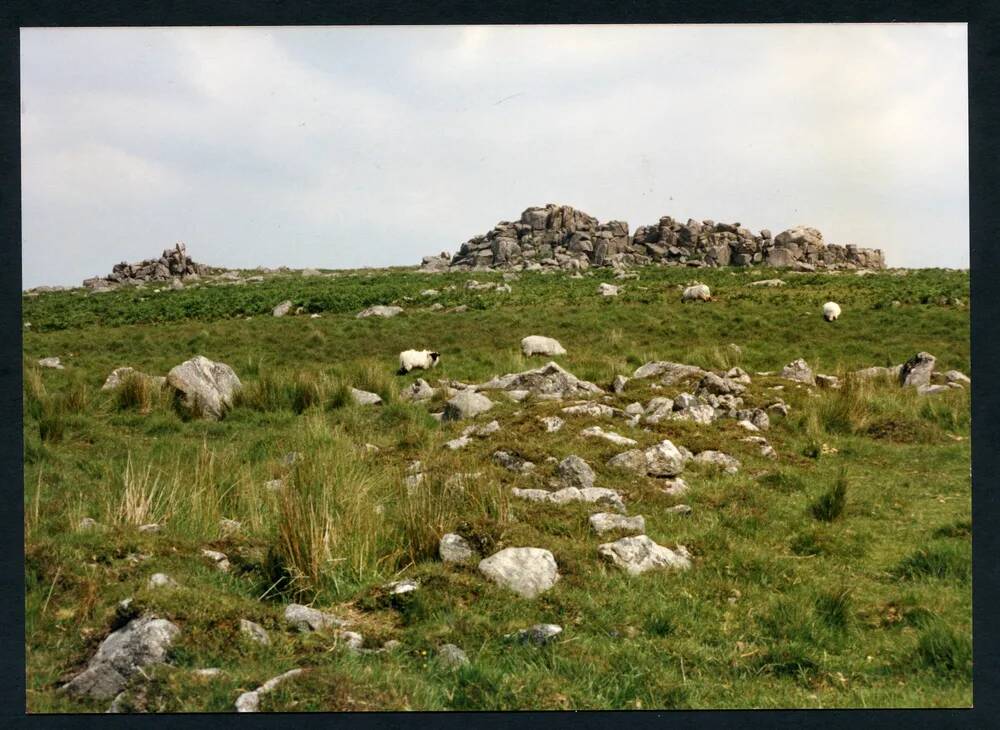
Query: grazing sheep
{"points": [[831, 310], [698, 292], [423, 359]]}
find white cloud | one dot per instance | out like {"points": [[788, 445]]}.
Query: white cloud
{"points": [[347, 146]]}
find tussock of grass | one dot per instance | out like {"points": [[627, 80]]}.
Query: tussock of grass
{"points": [[943, 560], [944, 650], [830, 505]]}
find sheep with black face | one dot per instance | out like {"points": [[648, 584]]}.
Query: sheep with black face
{"points": [[417, 359]]}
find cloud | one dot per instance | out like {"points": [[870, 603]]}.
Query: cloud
{"points": [[373, 146]]}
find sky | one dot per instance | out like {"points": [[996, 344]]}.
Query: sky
{"points": [[343, 147]]}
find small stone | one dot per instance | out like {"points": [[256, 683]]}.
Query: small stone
{"points": [[512, 462], [609, 522], [716, 458], [399, 587], [161, 580], [87, 524], [680, 509], [50, 362], [552, 423], [639, 554], [607, 290], [220, 560], [575, 472], [208, 672], [304, 619], [466, 404], [365, 398], [618, 385], [452, 656], [527, 571], [255, 632], [538, 634], [274, 485], [617, 439]]}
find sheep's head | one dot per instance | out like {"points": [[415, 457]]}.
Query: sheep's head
{"points": [[435, 356]]}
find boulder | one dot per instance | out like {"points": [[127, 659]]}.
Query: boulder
{"points": [[798, 370], [718, 459], [664, 460], [451, 656], [466, 404], [419, 390], [205, 389], [282, 309], [639, 554], [607, 290], [917, 370], [670, 373], [512, 462], [140, 643], [50, 362], [552, 423], [527, 571], [548, 380], [632, 460], [538, 345]]}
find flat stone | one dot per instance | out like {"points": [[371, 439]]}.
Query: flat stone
{"points": [[639, 554], [304, 619], [538, 634], [617, 439], [527, 571], [364, 398], [603, 522], [255, 632], [454, 548]]}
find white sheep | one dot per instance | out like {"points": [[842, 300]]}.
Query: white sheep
{"points": [[423, 359], [698, 292], [831, 310]]}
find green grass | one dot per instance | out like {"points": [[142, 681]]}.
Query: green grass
{"points": [[837, 576]]}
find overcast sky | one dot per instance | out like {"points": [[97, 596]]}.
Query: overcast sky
{"points": [[367, 146]]}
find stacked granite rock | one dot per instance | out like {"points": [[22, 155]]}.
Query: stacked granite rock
{"points": [[173, 263], [563, 237]]}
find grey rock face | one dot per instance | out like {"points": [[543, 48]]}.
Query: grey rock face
{"points": [[512, 462], [611, 436], [575, 472], [917, 370], [633, 460], [466, 404], [206, 388], [669, 373], [50, 362], [603, 522], [454, 549], [538, 345], [552, 423], [282, 309], [304, 619], [419, 390], [140, 643], [526, 571], [379, 310], [639, 554]]}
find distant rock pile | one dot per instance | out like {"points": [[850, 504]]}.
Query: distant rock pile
{"points": [[174, 262], [562, 237]]}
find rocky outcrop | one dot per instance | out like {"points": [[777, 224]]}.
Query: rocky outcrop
{"points": [[174, 262], [559, 236]]}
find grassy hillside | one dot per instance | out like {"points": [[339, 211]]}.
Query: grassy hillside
{"points": [[791, 602]]}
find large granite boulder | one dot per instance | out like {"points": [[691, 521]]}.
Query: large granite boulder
{"points": [[205, 388], [526, 571]]}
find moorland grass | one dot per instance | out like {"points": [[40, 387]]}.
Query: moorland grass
{"points": [[782, 609]]}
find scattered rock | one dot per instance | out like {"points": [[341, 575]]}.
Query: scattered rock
{"points": [[538, 345], [607, 290], [454, 549], [552, 423], [142, 642], [254, 632], [512, 462], [674, 487], [379, 310], [618, 385], [419, 390], [482, 430], [954, 376], [596, 410], [365, 398], [250, 701], [680, 509], [575, 472], [548, 380], [304, 619], [220, 560], [617, 439], [636, 555], [767, 282], [917, 370], [799, 371], [87, 524], [282, 309], [609, 522], [50, 362], [664, 460], [527, 571], [161, 580], [451, 656], [206, 388], [723, 461], [458, 443], [118, 377], [466, 404], [538, 634]]}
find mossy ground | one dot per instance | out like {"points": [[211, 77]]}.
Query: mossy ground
{"points": [[870, 608]]}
